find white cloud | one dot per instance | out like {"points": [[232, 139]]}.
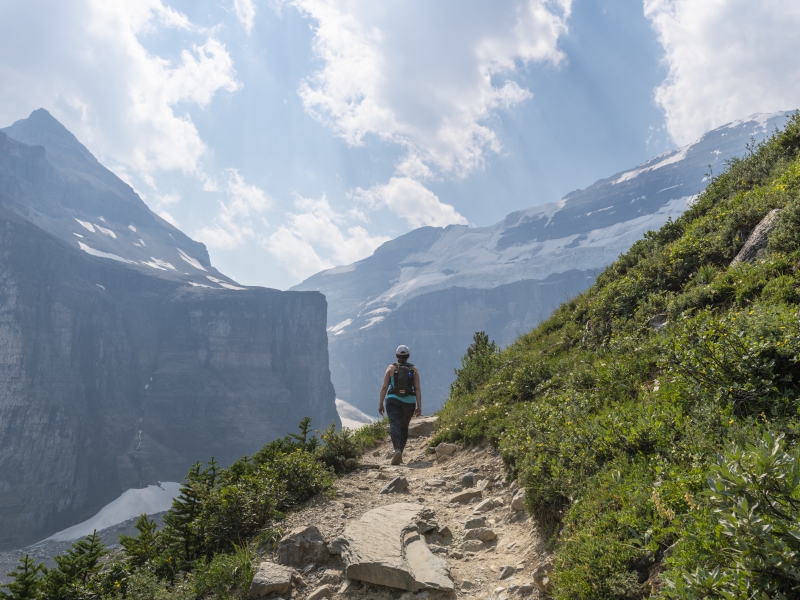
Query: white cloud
{"points": [[317, 238], [412, 201], [430, 82], [86, 63], [246, 13], [727, 59], [233, 224]]}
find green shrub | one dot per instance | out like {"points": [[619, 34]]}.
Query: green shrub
{"points": [[747, 543], [225, 576]]}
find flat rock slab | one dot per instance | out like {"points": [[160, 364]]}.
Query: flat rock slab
{"points": [[422, 427], [271, 577], [384, 548], [464, 497]]}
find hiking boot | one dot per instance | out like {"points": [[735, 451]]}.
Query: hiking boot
{"points": [[398, 457]]}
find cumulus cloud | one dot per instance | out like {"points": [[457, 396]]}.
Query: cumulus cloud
{"points": [[94, 74], [316, 238], [726, 60], [412, 201], [429, 82], [426, 77], [246, 13], [234, 224]]}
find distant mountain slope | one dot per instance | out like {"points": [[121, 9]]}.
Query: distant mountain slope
{"points": [[90, 208], [572, 239]]}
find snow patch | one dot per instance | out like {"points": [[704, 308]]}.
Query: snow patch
{"points": [[102, 287], [141, 241], [379, 311], [224, 284], [108, 232], [192, 261], [93, 252], [132, 228], [159, 264], [352, 417], [338, 328], [150, 500], [203, 285], [88, 226], [669, 158], [373, 321], [78, 234]]}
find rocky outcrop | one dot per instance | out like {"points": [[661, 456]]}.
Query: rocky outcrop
{"points": [[270, 579], [302, 546], [385, 547], [116, 375], [757, 241]]}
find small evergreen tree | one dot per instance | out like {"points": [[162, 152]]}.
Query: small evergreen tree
{"points": [[183, 528], [76, 568], [25, 581], [144, 546]]}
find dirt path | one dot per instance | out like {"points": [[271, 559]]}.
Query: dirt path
{"points": [[500, 568]]}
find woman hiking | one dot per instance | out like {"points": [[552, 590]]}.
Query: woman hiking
{"points": [[403, 397]]}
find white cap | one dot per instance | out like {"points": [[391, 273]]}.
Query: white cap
{"points": [[402, 350]]}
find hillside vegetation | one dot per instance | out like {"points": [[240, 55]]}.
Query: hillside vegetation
{"points": [[221, 521], [664, 460]]}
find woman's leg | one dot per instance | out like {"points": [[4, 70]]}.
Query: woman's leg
{"points": [[408, 413], [394, 410]]}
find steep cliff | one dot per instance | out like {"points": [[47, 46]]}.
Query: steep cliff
{"points": [[112, 378]]}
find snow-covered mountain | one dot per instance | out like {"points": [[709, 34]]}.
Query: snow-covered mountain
{"points": [[434, 287], [106, 218]]}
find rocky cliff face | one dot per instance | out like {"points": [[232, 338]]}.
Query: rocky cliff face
{"points": [[505, 277], [112, 378]]}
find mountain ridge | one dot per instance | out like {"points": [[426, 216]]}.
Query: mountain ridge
{"points": [[574, 238]]}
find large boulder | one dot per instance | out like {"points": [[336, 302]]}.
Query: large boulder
{"points": [[422, 427], [757, 240], [385, 547], [301, 546], [270, 577]]}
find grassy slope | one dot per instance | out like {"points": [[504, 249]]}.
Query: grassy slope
{"points": [[612, 426]]}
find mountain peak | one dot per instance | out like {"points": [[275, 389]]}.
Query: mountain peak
{"points": [[41, 128]]}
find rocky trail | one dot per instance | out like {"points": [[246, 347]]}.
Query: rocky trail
{"points": [[444, 524]]}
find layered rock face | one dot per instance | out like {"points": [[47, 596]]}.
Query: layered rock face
{"points": [[116, 376]]}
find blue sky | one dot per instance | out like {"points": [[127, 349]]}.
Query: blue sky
{"points": [[294, 135]]}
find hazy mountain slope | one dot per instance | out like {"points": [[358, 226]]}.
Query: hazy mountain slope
{"points": [[90, 208], [576, 236]]}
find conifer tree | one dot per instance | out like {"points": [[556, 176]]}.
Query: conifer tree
{"points": [[25, 581], [75, 570], [183, 526], [144, 546]]}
